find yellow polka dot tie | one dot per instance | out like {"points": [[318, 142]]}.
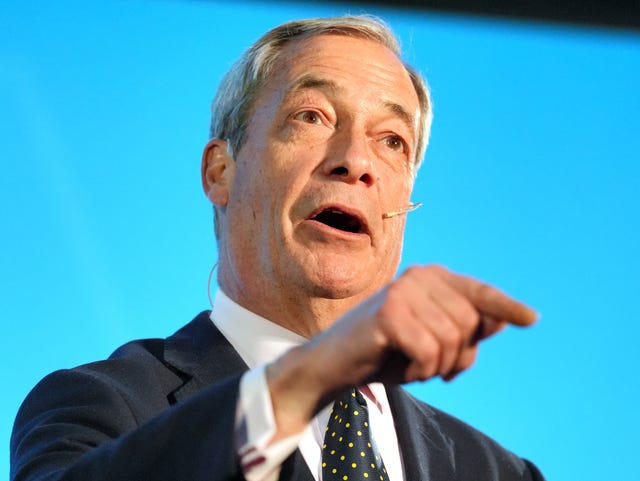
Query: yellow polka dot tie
{"points": [[348, 453]]}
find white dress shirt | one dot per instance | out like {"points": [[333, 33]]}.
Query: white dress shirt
{"points": [[259, 341]]}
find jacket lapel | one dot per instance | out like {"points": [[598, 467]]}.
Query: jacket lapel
{"points": [[201, 355], [295, 469], [427, 453]]}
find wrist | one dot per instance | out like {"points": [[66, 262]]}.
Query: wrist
{"points": [[296, 391]]}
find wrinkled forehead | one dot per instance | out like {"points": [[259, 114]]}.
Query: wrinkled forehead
{"points": [[341, 63]]}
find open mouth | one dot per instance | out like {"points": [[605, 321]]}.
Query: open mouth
{"points": [[341, 220]]}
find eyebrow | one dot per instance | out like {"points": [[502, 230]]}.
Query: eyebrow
{"points": [[311, 82], [326, 85], [404, 115]]}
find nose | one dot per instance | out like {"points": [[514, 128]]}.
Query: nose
{"points": [[350, 160]]}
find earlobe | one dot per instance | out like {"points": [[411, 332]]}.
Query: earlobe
{"points": [[217, 172]]}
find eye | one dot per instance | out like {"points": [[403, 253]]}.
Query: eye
{"points": [[395, 142], [308, 117]]}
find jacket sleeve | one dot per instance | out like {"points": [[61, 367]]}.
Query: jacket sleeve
{"points": [[75, 425]]}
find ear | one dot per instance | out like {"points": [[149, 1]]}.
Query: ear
{"points": [[217, 172]]}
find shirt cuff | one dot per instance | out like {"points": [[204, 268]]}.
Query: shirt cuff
{"points": [[255, 426]]}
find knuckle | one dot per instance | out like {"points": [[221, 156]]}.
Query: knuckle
{"points": [[437, 269], [413, 272], [451, 337], [423, 273], [394, 307], [431, 273], [484, 290], [468, 313], [394, 293], [432, 353], [468, 317]]}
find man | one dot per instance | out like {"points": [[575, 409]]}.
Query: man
{"points": [[317, 133]]}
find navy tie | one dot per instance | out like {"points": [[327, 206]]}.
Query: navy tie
{"points": [[348, 452]]}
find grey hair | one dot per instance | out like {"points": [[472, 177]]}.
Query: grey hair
{"points": [[239, 88]]}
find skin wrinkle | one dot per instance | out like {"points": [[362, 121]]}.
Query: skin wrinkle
{"points": [[326, 108], [331, 89], [330, 114], [330, 277]]}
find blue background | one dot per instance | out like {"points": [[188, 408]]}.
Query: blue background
{"points": [[530, 183]]}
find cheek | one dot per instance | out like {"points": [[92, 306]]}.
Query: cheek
{"points": [[264, 185], [396, 198], [291, 167], [405, 186], [397, 234]]}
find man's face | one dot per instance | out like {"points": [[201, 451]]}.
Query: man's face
{"points": [[329, 148]]}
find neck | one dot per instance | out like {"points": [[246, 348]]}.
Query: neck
{"points": [[306, 314]]}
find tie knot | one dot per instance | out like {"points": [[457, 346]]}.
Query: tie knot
{"points": [[353, 399]]}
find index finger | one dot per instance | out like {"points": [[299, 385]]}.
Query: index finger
{"points": [[492, 301]]}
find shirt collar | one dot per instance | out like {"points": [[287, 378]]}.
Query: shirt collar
{"points": [[259, 340]]}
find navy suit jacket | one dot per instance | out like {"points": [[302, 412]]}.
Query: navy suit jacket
{"points": [[164, 409]]}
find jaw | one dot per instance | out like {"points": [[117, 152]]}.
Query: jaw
{"points": [[337, 265], [310, 282]]}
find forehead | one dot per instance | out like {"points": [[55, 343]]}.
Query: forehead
{"points": [[358, 66]]}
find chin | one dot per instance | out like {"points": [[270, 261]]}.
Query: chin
{"points": [[339, 292], [342, 282], [333, 273]]}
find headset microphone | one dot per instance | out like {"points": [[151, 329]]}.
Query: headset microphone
{"points": [[405, 210]]}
